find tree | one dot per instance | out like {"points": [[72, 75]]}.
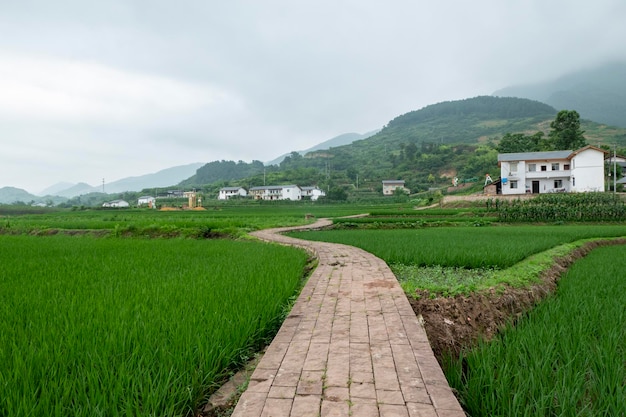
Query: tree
{"points": [[566, 133], [518, 142], [337, 194]]}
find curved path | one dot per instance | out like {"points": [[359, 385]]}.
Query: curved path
{"points": [[351, 346]]}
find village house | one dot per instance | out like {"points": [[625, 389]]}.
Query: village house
{"points": [[146, 200], [228, 192], [553, 171], [390, 186], [312, 192], [276, 192], [116, 204]]}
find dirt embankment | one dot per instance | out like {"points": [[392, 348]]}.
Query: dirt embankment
{"points": [[459, 322]]}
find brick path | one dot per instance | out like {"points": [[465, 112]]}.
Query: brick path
{"points": [[351, 346]]}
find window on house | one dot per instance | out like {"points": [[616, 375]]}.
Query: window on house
{"points": [[566, 167], [513, 184], [555, 167], [558, 183], [532, 167], [544, 167], [513, 167]]}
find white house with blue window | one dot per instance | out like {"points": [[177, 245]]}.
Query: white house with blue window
{"points": [[553, 171]]}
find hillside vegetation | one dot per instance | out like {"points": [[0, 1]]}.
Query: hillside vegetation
{"points": [[426, 148]]}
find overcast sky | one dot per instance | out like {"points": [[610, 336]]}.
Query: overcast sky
{"points": [[110, 89]]}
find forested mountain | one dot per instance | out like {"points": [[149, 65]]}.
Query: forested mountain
{"points": [[224, 171], [598, 94]]}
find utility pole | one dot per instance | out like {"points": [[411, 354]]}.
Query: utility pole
{"points": [[103, 185], [615, 168]]}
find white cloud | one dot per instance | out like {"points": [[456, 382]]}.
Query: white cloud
{"points": [[49, 89]]}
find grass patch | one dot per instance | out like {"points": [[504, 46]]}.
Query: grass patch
{"points": [[438, 280]]}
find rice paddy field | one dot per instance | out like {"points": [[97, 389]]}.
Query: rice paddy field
{"points": [[220, 219], [463, 246], [139, 312], [567, 357], [132, 327]]}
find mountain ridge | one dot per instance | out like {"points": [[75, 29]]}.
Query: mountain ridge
{"points": [[343, 139]]}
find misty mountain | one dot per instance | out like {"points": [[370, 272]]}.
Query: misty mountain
{"points": [[56, 188], [345, 139], [76, 189], [164, 178], [10, 195], [597, 94]]}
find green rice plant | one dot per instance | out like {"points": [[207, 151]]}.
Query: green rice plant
{"points": [[127, 327], [462, 247], [564, 358], [233, 220]]}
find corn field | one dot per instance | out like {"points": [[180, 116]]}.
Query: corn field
{"points": [[574, 207]]}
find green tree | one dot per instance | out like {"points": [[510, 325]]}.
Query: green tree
{"points": [[566, 133], [518, 142], [337, 194]]}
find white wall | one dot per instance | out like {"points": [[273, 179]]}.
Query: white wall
{"points": [[291, 193], [588, 171]]}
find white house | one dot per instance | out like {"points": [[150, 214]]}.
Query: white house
{"points": [[228, 192], [390, 186], [276, 192], [312, 192], [554, 171], [116, 203], [146, 200]]}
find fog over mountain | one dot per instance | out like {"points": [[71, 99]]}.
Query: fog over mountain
{"points": [[597, 93]]}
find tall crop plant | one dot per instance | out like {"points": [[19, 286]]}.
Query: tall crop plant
{"points": [[129, 327], [577, 207], [565, 358]]}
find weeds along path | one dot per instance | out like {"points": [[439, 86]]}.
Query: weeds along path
{"points": [[351, 345]]}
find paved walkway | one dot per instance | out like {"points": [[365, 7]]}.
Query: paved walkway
{"points": [[351, 346]]}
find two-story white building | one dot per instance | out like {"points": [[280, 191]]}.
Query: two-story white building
{"points": [[554, 171], [228, 192], [277, 192], [312, 192]]}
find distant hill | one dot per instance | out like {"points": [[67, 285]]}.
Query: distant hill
{"points": [[56, 188], [165, 178], [10, 195], [598, 94], [340, 140], [76, 189]]}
